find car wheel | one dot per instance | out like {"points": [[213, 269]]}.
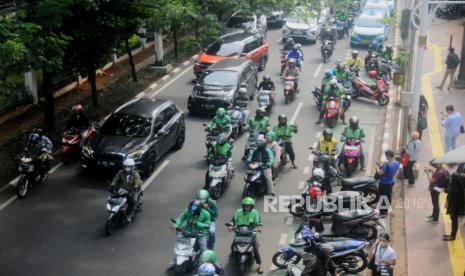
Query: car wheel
{"points": [[149, 165], [180, 140]]}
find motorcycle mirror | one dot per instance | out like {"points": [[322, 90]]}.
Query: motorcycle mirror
{"points": [[173, 220], [310, 148], [204, 124]]}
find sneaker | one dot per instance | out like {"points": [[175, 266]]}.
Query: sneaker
{"points": [[429, 217], [432, 221], [448, 238], [260, 270]]}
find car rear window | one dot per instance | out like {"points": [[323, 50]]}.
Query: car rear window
{"points": [[239, 22], [127, 125], [219, 78], [365, 21], [224, 49]]}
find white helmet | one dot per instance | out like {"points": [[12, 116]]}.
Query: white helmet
{"points": [[319, 172], [333, 82], [242, 91], [129, 164]]}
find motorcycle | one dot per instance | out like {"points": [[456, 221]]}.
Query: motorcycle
{"points": [[236, 115], [348, 254], [117, 207], [366, 185], [348, 91], [326, 50], [264, 100], [71, 141], [255, 182], [378, 92], [219, 177], [283, 157], [212, 136], [351, 151], [242, 247], [32, 172], [251, 142], [317, 97], [186, 251], [373, 64], [289, 84], [331, 113], [340, 27], [447, 11], [385, 69]]}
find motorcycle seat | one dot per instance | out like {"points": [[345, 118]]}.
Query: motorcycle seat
{"points": [[349, 215], [357, 180], [343, 245]]}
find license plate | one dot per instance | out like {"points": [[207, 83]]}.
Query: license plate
{"points": [[208, 106], [297, 32], [364, 41], [106, 163], [332, 111]]}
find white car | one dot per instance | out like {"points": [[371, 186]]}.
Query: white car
{"points": [[380, 6], [249, 21], [369, 31], [390, 3], [300, 28]]}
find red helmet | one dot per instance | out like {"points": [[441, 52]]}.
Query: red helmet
{"points": [[372, 74], [77, 108]]}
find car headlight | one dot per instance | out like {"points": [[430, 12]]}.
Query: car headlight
{"points": [[285, 29], [137, 153], [87, 150], [197, 62]]}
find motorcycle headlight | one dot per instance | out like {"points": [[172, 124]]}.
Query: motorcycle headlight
{"points": [[87, 150], [197, 62], [137, 153]]}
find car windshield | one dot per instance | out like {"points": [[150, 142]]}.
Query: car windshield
{"points": [[295, 19], [127, 125], [238, 22], [219, 78], [224, 49], [369, 22]]}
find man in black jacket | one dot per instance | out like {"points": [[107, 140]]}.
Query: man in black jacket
{"points": [[452, 62]]}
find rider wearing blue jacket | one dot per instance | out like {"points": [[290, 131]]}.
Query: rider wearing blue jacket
{"points": [[295, 54]]}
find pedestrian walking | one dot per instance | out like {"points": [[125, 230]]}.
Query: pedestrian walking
{"points": [[382, 257], [454, 204], [422, 116], [452, 62], [452, 122], [438, 180], [386, 173], [412, 149]]}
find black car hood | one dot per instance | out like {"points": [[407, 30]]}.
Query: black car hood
{"points": [[115, 144], [213, 91]]}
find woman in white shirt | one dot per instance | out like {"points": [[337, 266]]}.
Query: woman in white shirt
{"points": [[382, 256]]}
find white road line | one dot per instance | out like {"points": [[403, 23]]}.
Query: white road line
{"points": [[318, 69], [56, 168], [155, 174], [289, 220], [14, 181], [314, 145], [318, 134], [283, 239], [186, 63], [165, 78], [279, 39], [5, 187], [301, 185], [296, 113], [273, 267], [140, 95], [170, 82], [306, 170], [6, 203]]}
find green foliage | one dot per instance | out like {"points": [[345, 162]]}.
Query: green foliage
{"points": [[389, 20], [188, 44], [402, 60]]}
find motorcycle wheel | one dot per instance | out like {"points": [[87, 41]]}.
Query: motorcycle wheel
{"points": [[281, 260], [347, 105], [382, 100], [350, 168], [242, 269], [296, 211], [110, 226], [22, 186], [331, 122], [66, 158], [371, 196], [215, 192], [235, 133], [286, 98], [353, 263]]}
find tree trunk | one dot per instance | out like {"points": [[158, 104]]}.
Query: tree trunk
{"points": [[49, 109], [176, 48], [93, 85], [131, 61]]}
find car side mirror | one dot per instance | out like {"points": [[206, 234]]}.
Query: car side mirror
{"points": [[161, 132]]}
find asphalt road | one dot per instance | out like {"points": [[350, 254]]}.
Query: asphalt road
{"points": [[59, 228]]}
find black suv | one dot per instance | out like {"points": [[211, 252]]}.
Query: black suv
{"points": [[219, 85], [142, 129]]}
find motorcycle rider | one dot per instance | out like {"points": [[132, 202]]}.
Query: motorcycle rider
{"points": [[289, 44], [196, 221], [268, 84], [249, 216], [329, 32], [355, 132], [260, 121], [79, 121], [35, 149], [271, 143], [210, 205], [129, 179], [299, 48], [284, 131], [328, 145], [243, 101], [44, 139], [209, 264], [329, 74], [221, 120], [374, 60], [387, 53], [354, 62], [333, 91], [295, 54], [220, 149], [340, 72], [368, 59], [263, 155], [292, 71]]}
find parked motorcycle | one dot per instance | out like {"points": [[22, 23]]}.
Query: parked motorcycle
{"points": [[71, 141], [331, 113], [32, 172], [264, 100], [385, 69], [348, 254], [255, 182], [219, 176], [242, 247], [317, 97], [289, 84], [378, 92], [326, 50], [366, 185], [351, 152], [117, 207], [186, 251]]}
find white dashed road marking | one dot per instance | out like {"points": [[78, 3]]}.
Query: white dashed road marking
{"points": [[318, 69], [155, 174]]}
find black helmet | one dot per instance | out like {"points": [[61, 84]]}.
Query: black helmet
{"points": [[282, 117], [353, 121], [328, 132], [267, 77], [194, 207]]}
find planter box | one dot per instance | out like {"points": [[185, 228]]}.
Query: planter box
{"points": [[398, 78]]}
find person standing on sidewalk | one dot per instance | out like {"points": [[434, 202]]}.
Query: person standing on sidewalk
{"points": [[454, 204], [413, 151], [382, 256], [422, 115], [452, 62], [386, 174], [438, 180], [451, 121]]}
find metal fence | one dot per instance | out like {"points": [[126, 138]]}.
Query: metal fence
{"points": [[12, 93]]}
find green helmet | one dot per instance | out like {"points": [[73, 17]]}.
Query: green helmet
{"points": [[271, 134], [282, 117], [220, 112], [202, 195], [248, 201], [339, 63], [208, 256]]}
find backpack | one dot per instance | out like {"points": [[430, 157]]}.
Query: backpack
{"points": [[454, 61]]}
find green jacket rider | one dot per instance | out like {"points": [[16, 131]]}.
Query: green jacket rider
{"points": [[195, 218], [340, 72], [260, 121], [221, 119], [220, 149]]}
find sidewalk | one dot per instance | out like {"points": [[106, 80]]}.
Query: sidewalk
{"points": [[427, 253]]}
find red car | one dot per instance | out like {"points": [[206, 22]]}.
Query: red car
{"points": [[236, 45]]}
